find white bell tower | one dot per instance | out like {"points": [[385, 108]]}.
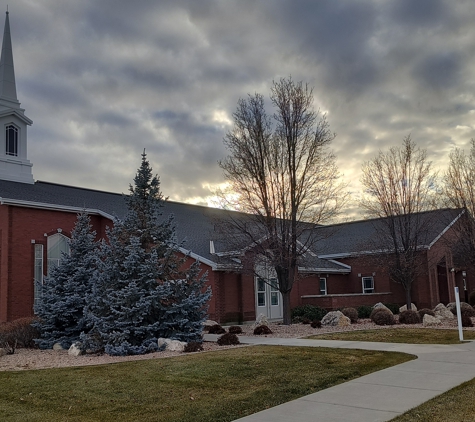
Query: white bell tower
{"points": [[14, 164]]}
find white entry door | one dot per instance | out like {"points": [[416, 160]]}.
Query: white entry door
{"points": [[268, 297]]}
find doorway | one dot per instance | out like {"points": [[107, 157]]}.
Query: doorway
{"points": [[268, 297]]}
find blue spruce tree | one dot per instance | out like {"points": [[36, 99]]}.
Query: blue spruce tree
{"points": [[140, 292], [60, 308]]}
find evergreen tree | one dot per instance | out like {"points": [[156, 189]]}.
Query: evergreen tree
{"points": [[139, 291], [60, 308]]}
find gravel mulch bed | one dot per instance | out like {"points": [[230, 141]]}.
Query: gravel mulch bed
{"points": [[25, 359]]}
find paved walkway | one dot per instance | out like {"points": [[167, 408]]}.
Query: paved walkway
{"points": [[379, 396]]}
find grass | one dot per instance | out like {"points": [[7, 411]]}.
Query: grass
{"points": [[456, 405], [215, 386], [400, 335]]}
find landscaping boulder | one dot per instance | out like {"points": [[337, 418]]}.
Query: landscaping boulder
{"points": [[3, 352], [442, 312], [209, 323], [404, 308], [380, 305], [172, 345], [430, 321], [336, 319], [261, 320], [57, 346], [75, 350]]}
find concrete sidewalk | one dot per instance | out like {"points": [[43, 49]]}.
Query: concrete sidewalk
{"points": [[379, 396]]}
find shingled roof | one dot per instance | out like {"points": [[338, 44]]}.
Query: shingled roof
{"points": [[195, 224]]}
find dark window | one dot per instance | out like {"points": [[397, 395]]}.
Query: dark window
{"points": [[11, 137]]}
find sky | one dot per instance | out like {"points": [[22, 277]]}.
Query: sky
{"points": [[102, 80]]}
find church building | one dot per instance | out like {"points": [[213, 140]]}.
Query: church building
{"points": [[37, 217]]}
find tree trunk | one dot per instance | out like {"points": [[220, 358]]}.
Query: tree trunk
{"points": [[286, 308], [408, 298]]}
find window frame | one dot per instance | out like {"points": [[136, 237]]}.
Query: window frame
{"points": [[12, 145], [367, 290], [325, 290]]}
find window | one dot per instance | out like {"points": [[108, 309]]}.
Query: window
{"points": [[261, 292], [11, 140], [38, 272], [274, 292], [57, 245], [368, 284], [323, 286]]}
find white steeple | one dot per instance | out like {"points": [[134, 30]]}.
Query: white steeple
{"points": [[14, 164]]}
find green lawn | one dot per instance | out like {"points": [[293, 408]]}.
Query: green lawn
{"points": [[400, 335], [215, 386], [456, 405]]}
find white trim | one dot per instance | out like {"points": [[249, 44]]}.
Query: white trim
{"points": [[41, 205], [211, 247], [340, 263], [324, 270], [445, 230], [199, 258]]}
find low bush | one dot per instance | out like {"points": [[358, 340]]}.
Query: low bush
{"points": [[216, 329], [393, 307], [468, 311], [471, 299], [235, 329], [409, 317], [193, 346], [425, 311], [351, 313], [364, 311], [18, 333], [381, 316], [466, 321], [262, 330], [316, 324], [310, 312], [228, 339], [305, 320]]}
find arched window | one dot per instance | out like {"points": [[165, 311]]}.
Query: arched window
{"points": [[11, 140], [57, 244]]}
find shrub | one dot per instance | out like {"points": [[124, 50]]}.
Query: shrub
{"points": [[316, 324], [393, 307], [193, 346], [235, 329], [305, 320], [18, 333], [364, 311], [468, 311], [425, 311], [351, 313], [466, 321], [382, 317], [216, 329], [310, 312], [228, 339], [471, 299], [262, 329], [409, 317]]}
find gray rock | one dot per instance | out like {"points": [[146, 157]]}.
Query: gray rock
{"points": [[75, 350], [57, 346], [3, 352], [430, 321], [336, 319], [172, 345], [443, 313], [209, 323], [404, 308], [380, 305], [261, 320]]}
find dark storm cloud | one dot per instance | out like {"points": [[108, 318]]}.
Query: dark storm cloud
{"points": [[102, 80]]}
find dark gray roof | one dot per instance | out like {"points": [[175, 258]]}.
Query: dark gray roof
{"points": [[196, 225]]}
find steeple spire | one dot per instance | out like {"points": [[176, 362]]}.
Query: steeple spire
{"points": [[7, 71]]}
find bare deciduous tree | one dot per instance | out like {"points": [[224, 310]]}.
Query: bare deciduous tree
{"points": [[281, 173], [459, 192], [399, 186]]}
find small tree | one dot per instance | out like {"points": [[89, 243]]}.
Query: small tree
{"points": [[281, 173], [459, 192], [399, 187], [60, 308], [140, 292]]}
